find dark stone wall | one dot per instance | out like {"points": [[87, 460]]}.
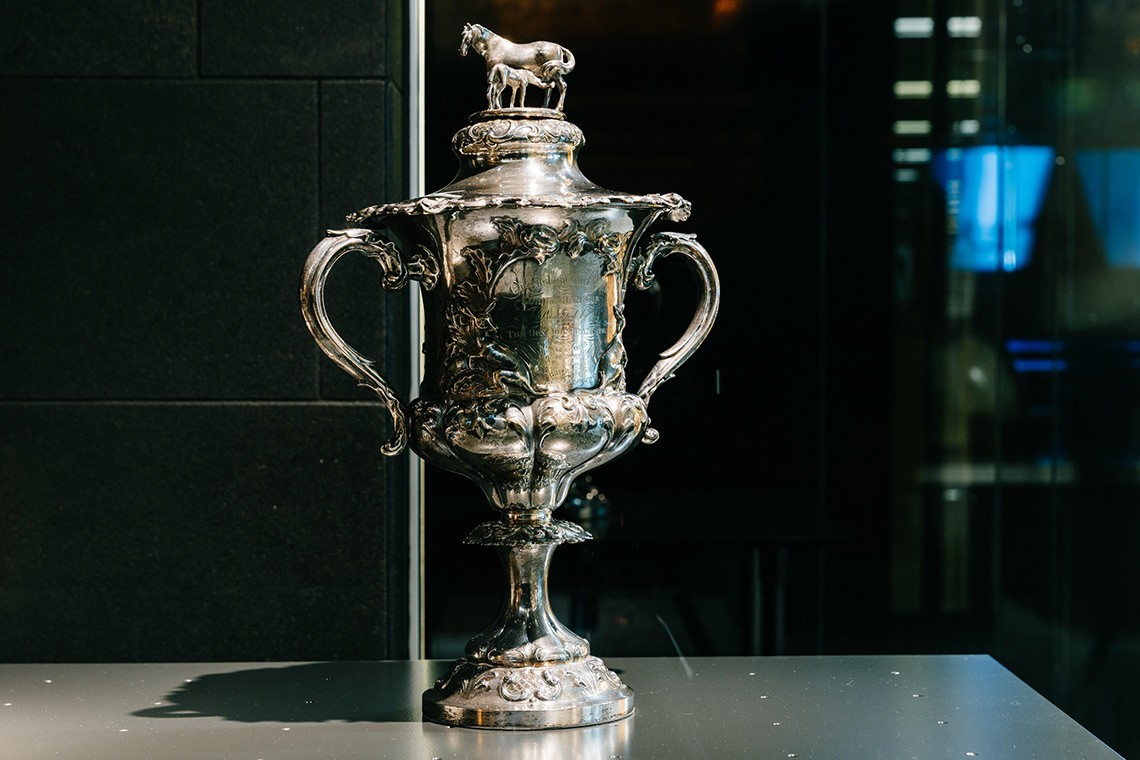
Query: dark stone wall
{"points": [[183, 475]]}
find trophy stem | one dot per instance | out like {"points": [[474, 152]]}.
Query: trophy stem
{"points": [[526, 631], [527, 670]]}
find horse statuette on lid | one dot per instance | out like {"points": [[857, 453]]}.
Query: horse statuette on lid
{"points": [[513, 65]]}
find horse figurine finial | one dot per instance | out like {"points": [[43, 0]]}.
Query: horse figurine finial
{"points": [[543, 64]]}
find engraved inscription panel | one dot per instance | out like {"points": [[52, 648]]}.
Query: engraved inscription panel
{"points": [[558, 316]]}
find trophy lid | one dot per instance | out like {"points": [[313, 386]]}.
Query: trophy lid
{"points": [[518, 155]]}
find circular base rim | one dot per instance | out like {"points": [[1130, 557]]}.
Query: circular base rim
{"points": [[472, 696]]}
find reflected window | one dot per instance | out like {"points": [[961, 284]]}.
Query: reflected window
{"points": [[964, 26], [993, 196], [919, 88], [963, 88], [914, 26], [1110, 178]]}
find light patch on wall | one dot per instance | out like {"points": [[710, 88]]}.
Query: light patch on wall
{"points": [[963, 88], [967, 127], [913, 88], [911, 155], [724, 11], [912, 127], [964, 26], [914, 26]]}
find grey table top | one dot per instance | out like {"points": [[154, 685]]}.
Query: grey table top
{"points": [[716, 708]]}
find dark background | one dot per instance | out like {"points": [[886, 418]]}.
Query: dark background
{"points": [[856, 459], [183, 476], [775, 435]]}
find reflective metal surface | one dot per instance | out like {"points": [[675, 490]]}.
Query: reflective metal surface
{"points": [[524, 265]]}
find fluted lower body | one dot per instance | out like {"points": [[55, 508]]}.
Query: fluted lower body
{"points": [[525, 453]]}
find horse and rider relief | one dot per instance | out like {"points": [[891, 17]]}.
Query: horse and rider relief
{"points": [[513, 66]]}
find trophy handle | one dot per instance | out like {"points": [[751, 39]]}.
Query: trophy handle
{"points": [[395, 277], [663, 244]]}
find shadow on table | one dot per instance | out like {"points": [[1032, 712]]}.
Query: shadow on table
{"points": [[303, 693]]}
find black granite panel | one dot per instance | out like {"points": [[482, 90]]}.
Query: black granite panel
{"points": [[82, 38], [363, 153], [334, 38], [193, 531], [396, 43], [363, 160], [152, 236]]}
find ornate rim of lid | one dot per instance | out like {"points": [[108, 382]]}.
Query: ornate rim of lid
{"points": [[677, 208]]}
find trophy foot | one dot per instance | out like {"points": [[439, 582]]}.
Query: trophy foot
{"points": [[560, 695], [527, 670]]}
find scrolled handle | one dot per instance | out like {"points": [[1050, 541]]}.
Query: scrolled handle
{"points": [[396, 274], [663, 244]]}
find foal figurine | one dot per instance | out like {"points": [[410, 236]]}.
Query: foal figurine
{"points": [[503, 76], [548, 61]]}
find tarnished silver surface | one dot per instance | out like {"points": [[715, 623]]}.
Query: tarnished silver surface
{"points": [[524, 264]]}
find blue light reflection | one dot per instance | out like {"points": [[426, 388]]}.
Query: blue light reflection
{"points": [[1111, 180], [994, 194]]}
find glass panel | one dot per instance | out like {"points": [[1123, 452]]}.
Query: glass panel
{"points": [[916, 425]]}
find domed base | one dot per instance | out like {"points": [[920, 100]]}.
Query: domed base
{"points": [[561, 695]]}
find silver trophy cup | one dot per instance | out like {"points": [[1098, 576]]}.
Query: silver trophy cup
{"points": [[523, 265]]}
